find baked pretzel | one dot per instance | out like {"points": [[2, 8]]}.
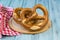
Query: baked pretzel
{"points": [[34, 23], [27, 13], [45, 17], [16, 14], [30, 19]]}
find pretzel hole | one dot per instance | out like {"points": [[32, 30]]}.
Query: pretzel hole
{"points": [[28, 14], [18, 11], [40, 12]]}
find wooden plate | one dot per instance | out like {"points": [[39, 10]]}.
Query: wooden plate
{"points": [[17, 27]]}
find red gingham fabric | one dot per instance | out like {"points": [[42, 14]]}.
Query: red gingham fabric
{"points": [[5, 15]]}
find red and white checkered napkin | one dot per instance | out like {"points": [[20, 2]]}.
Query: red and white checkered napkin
{"points": [[5, 15]]}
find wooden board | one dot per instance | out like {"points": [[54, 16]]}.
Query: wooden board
{"points": [[19, 28]]}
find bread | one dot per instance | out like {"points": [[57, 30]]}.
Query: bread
{"points": [[29, 18]]}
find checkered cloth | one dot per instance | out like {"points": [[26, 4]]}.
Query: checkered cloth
{"points": [[5, 15]]}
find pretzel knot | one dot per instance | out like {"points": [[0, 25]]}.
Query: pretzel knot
{"points": [[30, 19]]}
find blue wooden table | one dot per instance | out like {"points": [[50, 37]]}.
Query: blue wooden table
{"points": [[53, 7]]}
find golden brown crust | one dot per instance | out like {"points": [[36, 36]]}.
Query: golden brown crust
{"points": [[34, 27], [27, 13], [33, 24], [29, 19], [18, 11], [44, 11], [16, 14]]}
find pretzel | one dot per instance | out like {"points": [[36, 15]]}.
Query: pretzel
{"points": [[33, 26], [27, 13], [16, 14], [30, 20], [45, 17]]}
